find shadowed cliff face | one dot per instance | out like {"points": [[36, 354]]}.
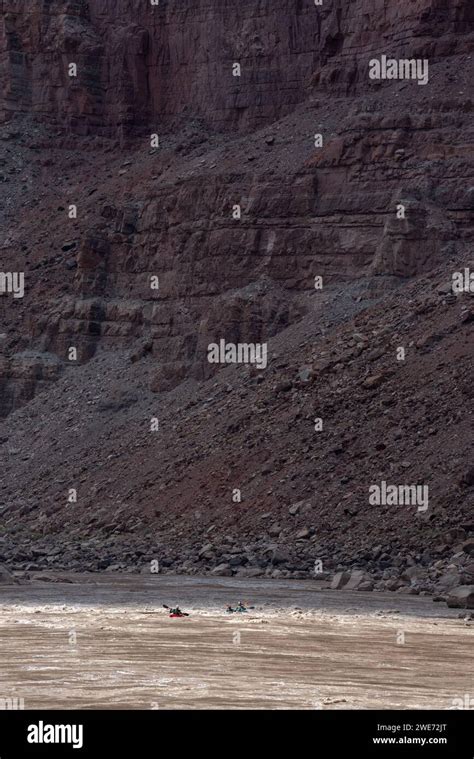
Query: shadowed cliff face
{"points": [[236, 194], [139, 64], [166, 209]]}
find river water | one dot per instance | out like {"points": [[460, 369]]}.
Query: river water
{"points": [[104, 641]]}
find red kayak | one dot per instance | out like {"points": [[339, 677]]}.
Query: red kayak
{"points": [[175, 612]]}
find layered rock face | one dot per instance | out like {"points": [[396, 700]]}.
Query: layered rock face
{"points": [[139, 64], [157, 203], [306, 209], [303, 495]]}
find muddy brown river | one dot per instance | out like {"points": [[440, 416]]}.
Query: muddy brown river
{"points": [[104, 642]]}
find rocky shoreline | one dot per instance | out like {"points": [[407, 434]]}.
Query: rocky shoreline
{"points": [[449, 578]]}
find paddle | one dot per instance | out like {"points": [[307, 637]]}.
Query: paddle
{"points": [[183, 613]]}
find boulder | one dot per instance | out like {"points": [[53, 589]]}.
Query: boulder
{"points": [[461, 597], [356, 578], [305, 532], [414, 573], [367, 585], [394, 583], [469, 569], [294, 508], [207, 552], [305, 373], [280, 556], [6, 577], [238, 561], [373, 381], [468, 547], [448, 580], [339, 580], [274, 530], [455, 534], [250, 572], [222, 570], [207, 547]]}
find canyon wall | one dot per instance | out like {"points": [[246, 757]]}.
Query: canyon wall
{"points": [[140, 64], [225, 141], [301, 170]]}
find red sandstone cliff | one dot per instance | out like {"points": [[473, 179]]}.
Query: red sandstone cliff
{"points": [[167, 212], [139, 64]]}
